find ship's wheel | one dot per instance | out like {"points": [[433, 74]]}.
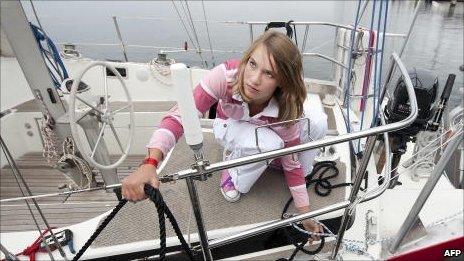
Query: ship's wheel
{"points": [[105, 115]]}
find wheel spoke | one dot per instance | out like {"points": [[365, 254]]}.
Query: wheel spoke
{"points": [[88, 104], [116, 137], [106, 87], [98, 140], [121, 109]]}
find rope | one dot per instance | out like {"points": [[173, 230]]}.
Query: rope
{"points": [[378, 73], [69, 153], [40, 36], [55, 65], [323, 182], [33, 249], [156, 197], [100, 229], [49, 137], [320, 183], [375, 190], [161, 72], [381, 55], [346, 100]]}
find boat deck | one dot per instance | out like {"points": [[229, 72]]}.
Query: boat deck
{"points": [[258, 205], [42, 179], [138, 222]]}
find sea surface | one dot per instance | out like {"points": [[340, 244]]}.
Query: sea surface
{"points": [[436, 42]]}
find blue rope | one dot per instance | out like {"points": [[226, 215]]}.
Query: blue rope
{"points": [[40, 36], [377, 61], [381, 63], [349, 75]]}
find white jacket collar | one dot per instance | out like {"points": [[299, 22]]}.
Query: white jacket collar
{"points": [[271, 110]]}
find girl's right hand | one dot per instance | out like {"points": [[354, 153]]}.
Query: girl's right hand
{"points": [[312, 226], [132, 185]]}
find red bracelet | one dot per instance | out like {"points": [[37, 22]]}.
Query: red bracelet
{"points": [[151, 161]]}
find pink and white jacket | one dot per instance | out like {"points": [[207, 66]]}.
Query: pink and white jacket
{"points": [[216, 86]]}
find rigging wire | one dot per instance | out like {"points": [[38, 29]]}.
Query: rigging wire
{"points": [[349, 243], [195, 34], [184, 10], [363, 10], [346, 100], [376, 66], [370, 53], [359, 199], [350, 63], [26, 187], [305, 37], [209, 36], [51, 49], [376, 111], [181, 18], [59, 68], [294, 33], [183, 24], [186, 30], [35, 14], [348, 79], [39, 23]]}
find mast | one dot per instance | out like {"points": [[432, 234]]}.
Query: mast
{"points": [[26, 49]]}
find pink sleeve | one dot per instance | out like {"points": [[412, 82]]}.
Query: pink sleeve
{"points": [[292, 168], [210, 89], [290, 163], [300, 195]]}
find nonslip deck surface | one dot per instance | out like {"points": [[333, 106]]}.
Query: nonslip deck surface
{"points": [[263, 203], [139, 221], [42, 179]]}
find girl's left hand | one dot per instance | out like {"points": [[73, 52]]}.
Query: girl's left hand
{"points": [[311, 226]]}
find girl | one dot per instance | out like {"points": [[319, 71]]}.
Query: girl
{"points": [[266, 86]]}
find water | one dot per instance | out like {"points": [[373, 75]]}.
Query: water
{"points": [[436, 43]]}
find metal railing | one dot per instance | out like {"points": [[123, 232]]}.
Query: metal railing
{"points": [[425, 193], [370, 133], [313, 145], [250, 24]]}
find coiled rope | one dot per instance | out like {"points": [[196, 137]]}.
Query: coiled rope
{"points": [[323, 188], [155, 196]]}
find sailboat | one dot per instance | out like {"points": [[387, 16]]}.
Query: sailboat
{"points": [[78, 126]]}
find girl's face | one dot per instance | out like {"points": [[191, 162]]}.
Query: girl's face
{"points": [[259, 78]]}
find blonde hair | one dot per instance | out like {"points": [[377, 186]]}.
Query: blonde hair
{"points": [[289, 73]]}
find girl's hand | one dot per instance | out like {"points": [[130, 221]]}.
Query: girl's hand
{"points": [[311, 226], [132, 185]]}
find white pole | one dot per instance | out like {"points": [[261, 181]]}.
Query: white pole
{"points": [[188, 111]]}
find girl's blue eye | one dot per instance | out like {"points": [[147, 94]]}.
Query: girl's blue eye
{"points": [[252, 64]]}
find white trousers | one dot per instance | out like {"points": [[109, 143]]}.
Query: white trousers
{"points": [[238, 139]]}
